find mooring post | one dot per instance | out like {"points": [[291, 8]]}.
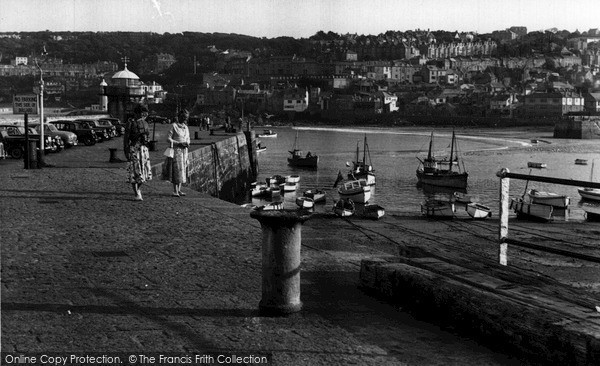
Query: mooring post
{"points": [[503, 228], [281, 242]]}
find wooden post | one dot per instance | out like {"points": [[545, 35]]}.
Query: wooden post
{"points": [[503, 227]]}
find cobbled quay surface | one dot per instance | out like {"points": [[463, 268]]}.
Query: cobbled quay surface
{"points": [[86, 270]]}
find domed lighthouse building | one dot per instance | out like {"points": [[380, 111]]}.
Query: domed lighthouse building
{"points": [[123, 92]]}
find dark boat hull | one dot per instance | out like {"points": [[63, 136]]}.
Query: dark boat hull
{"points": [[452, 180]]}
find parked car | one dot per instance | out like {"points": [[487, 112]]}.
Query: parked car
{"points": [[69, 139], [13, 139], [112, 130], [119, 126], [84, 132], [101, 131], [157, 119]]}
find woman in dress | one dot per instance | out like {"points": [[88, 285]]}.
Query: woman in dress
{"points": [[135, 139], [179, 138]]}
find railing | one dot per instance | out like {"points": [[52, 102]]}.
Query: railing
{"points": [[503, 239]]}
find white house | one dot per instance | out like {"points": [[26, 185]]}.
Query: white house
{"points": [[295, 100]]}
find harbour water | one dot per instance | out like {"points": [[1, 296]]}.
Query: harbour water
{"points": [[393, 153]]}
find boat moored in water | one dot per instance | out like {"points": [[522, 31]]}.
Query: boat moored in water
{"points": [[317, 195], [529, 210], [547, 198], [267, 133], [344, 208], [356, 190], [305, 202], [442, 172]]}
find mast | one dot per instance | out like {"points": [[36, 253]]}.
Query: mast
{"points": [[357, 153], [365, 152], [430, 147], [452, 152]]}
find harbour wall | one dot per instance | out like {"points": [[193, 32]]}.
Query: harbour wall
{"points": [[222, 169], [581, 128]]}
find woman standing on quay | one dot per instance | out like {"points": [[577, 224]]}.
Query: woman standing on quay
{"points": [[135, 140], [179, 138]]}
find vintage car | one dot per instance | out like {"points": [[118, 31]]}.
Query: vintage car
{"points": [[119, 126], [13, 139], [69, 138], [110, 128], [84, 132], [102, 132]]}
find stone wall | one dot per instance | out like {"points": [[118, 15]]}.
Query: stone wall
{"points": [[588, 128], [223, 169]]}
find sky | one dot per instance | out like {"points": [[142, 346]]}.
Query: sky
{"points": [[296, 18]]}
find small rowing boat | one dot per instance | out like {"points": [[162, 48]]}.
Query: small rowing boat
{"points": [[478, 211], [533, 164]]}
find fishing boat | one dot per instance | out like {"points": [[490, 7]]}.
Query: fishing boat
{"points": [[271, 206], [533, 164], [298, 159], [292, 179], [534, 141], [442, 172], [360, 168], [317, 195], [580, 161], [356, 190], [305, 202], [288, 187], [344, 208], [268, 133], [546, 198], [590, 194], [478, 211], [530, 210], [374, 212], [248, 205], [438, 209]]}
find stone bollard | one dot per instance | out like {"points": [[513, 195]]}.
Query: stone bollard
{"points": [[31, 156], [281, 241], [113, 156]]}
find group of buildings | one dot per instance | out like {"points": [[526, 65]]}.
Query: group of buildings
{"points": [[410, 75]]}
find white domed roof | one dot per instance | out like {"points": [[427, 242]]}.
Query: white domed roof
{"points": [[125, 74]]}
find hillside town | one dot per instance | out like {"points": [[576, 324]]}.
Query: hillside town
{"points": [[356, 79]]}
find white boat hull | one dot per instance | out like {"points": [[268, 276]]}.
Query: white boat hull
{"points": [[305, 202], [292, 179], [288, 187], [591, 194], [317, 196], [478, 211], [546, 198]]}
